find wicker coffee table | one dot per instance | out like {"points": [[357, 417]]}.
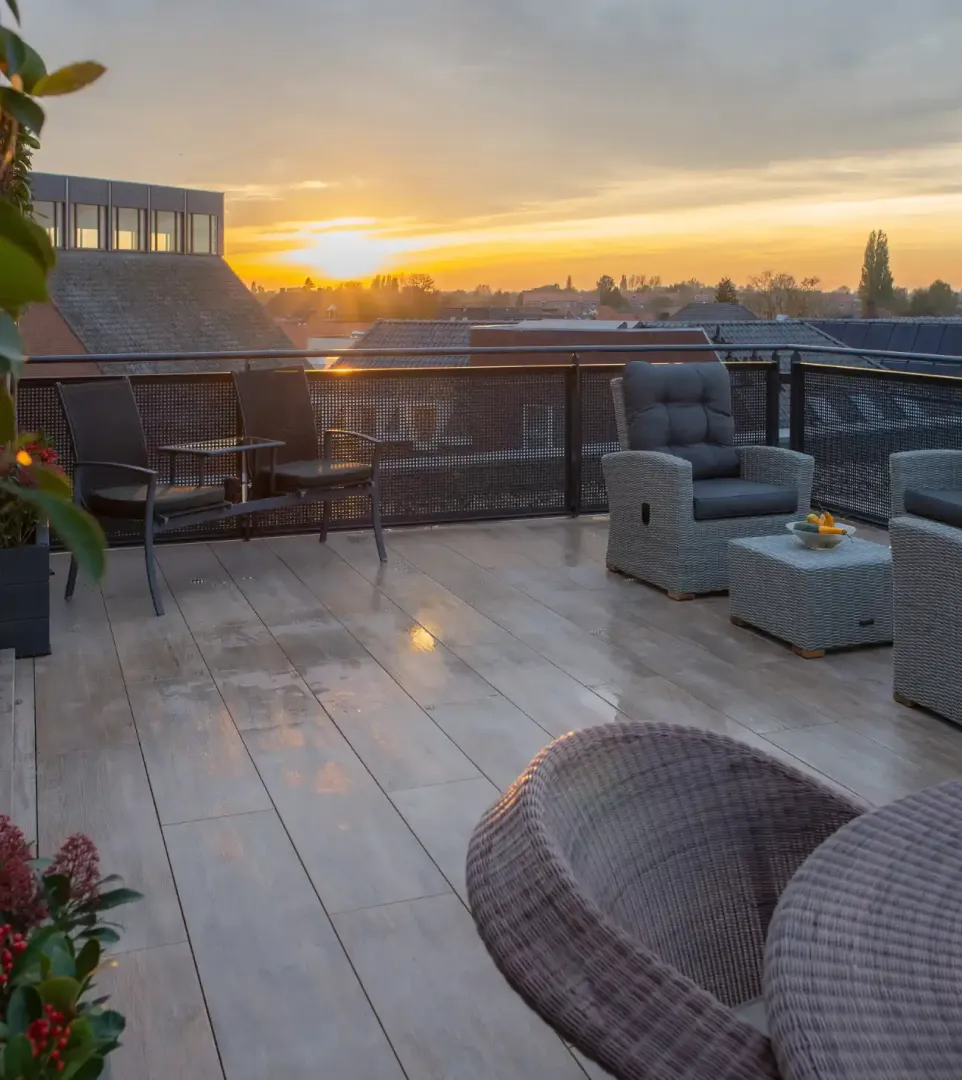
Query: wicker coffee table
{"points": [[863, 960], [816, 600]]}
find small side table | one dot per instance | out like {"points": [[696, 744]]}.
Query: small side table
{"points": [[207, 449], [815, 600]]}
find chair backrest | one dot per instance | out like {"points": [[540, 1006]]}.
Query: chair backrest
{"points": [[104, 424], [680, 409], [277, 405]]}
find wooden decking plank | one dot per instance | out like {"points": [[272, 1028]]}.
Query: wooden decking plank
{"points": [[447, 1010], [196, 759], [281, 994], [353, 842], [168, 1032]]}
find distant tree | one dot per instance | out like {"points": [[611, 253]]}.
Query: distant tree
{"points": [[421, 283], [725, 292], [876, 287], [569, 285], [609, 295], [624, 283], [770, 295], [308, 284], [483, 290], [939, 300], [420, 296]]}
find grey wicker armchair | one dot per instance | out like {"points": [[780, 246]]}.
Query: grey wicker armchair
{"points": [[680, 489], [624, 886], [926, 536]]}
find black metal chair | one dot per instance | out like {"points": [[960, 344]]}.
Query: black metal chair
{"points": [[112, 477], [277, 405]]}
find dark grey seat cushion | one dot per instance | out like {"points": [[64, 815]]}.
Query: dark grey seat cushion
{"points": [[129, 500], [726, 497], [684, 410], [944, 506], [300, 475]]}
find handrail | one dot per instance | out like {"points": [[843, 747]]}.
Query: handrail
{"points": [[725, 348]]}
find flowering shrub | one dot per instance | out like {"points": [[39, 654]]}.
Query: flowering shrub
{"points": [[51, 940], [18, 518]]}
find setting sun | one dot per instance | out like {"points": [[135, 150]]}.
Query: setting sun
{"points": [[344, 254]]}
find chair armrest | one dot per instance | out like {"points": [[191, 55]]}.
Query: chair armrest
{"points": [[139, 470], [636, 477], [939, 469], [331, 434], [786, 468]]}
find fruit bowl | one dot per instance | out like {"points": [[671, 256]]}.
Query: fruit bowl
{"points": [[807, 532]]}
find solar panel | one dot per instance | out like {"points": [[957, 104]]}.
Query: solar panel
{"points": [[929, 338], [855, 334], [951, 344], [903, 337], [878, 336]]}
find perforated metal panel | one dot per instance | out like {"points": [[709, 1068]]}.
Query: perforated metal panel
{"points": [[855, 419], [459, 443]]}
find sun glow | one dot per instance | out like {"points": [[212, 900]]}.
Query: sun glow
{"points": [[346, 254]]}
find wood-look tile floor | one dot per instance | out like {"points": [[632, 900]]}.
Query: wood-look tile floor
{"points": [[289, 764]]}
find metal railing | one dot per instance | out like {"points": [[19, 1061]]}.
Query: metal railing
{"points": [[517, 440]]}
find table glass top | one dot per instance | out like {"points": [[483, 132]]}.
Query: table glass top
{"points": [[213, 447]]}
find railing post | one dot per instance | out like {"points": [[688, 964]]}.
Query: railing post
{"points": [[773, 397], [573, 436], [797, 434]]}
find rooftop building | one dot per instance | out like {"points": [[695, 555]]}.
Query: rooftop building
{"points": [[140, 270]]}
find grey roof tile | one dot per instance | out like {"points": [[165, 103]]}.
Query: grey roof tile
{"points": [[413, 334], [697, 312], [765, 332], [118, 302]]}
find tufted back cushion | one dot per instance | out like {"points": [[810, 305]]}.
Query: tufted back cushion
{"points": [[684, 410]]}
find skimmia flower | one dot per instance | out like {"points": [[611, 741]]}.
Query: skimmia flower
{"points": [[78, 861]]}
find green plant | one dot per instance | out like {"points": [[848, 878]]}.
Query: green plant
{"points": [[26, 258], [51, 941]]}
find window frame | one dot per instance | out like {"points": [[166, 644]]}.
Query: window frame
{"points": [[141, 241], [211, 233], [75, 228], [55, 231], [178, 248]]}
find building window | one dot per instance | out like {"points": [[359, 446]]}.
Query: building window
{"points": [[168, 231], [203, 234], [89, 226], [49, 216], [130, 229]]}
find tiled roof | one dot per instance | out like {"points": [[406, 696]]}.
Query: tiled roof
{"points": [[115, 302], [765, 332], [412, 334], [698, 312]]}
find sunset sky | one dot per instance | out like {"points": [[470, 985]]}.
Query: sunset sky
{"points": [[513, 142]]}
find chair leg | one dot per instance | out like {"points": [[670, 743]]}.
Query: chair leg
{"points": [[325, 520], [151, 568], [71, 578], [376, 518]]}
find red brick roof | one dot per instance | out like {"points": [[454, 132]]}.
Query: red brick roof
{"points": [[45, 333]]}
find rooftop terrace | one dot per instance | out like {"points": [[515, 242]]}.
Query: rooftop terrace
{"points": [[289, 763]]}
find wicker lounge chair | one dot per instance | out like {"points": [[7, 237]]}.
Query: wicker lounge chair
{"points": [[680, 489], [926, 535], [624, 886]]}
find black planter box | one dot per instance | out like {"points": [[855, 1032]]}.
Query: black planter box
{"points": [[25, 599]]}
